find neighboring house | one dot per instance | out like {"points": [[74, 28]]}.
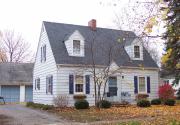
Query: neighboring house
{"points": [[168, 79], [63, 57], [16, 82]]}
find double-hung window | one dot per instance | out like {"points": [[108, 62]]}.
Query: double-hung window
{"points": [[142, 85], [43, 53], [79, 84], [76, 47], [37, 84], [136, 52], [49, 84]]}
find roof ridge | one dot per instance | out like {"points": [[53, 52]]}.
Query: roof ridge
{"points": [[87, 26]]}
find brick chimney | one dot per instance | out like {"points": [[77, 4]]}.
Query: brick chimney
{"points": [[92, 24]]}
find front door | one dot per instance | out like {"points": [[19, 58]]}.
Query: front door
{"points": [[112, 89]]}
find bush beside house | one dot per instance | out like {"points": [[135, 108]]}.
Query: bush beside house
{"points": [[81, 104], [143, 103], [39, 106], [156, 102], [104, 104]]}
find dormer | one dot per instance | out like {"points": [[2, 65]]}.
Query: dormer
{"points": [[135, 49], [75, 44]]}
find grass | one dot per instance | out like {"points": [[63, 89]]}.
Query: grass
{"points": [[177, 101]]}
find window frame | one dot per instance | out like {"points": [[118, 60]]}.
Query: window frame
{"points": [[137, 52], [145, 80], [49, 84], [37, 83], [75, 50], [113, 86], [75, 83], [43, 53]]}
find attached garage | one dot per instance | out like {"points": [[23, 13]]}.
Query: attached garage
{"points": [[10, 93], [28, 93], [16, 82]]}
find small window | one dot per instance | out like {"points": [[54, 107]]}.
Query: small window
{"points": [[43, 53], [76, 47], [166, 81], [79, 84], [142, 85], [49, 84], [37, 84], [136, 52]]}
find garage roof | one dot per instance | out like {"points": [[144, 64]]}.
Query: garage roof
{"points": [[16, 73]]}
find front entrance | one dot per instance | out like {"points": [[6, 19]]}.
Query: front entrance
{"points": [[112, 86]]}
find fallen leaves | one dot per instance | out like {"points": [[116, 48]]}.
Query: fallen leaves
{"points": [[160, 114]]}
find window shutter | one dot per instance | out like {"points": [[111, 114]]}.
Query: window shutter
{"points": [[148, 85], [87, 84], [47, 84], [39, 84], [35, 84], [135, 84], [41, 53], [51, 84], [44, 52], [71, 84]]}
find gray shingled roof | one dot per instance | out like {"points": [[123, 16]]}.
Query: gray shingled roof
{"points": [[16, 73], [104, 38]]}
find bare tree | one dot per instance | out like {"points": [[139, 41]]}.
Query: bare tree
{"points": [[101, 72], [16, 49], [3, 57], [140, 16]]}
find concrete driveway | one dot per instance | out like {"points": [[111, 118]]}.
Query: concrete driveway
{"points": [[21, 115]]}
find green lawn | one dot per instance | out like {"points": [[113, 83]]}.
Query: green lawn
{"points": [[177, 101]]}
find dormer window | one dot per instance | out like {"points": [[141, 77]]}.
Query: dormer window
{"points": [[136, 52], [76, 47]]}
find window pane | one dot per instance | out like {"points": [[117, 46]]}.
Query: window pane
{"points": [[79, 87], [38, 83], [79, 79], [142, 87], [76, 46], [136, 52], [113, 91], [112, 81]]}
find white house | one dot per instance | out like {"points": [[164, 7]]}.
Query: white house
{"points": [[65, 51]]}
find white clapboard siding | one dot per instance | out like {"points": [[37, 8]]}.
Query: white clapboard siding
{"points": [[128, 81], [63, 83], [124, 85], [43, 69]]}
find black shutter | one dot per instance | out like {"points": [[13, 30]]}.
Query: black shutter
{"points": [[87, 84], [71, 84], [148, 85], [41, 53], [47, 85], [44, 52], [35, 84], [135, 84], [51, 84], [39, 83]]}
